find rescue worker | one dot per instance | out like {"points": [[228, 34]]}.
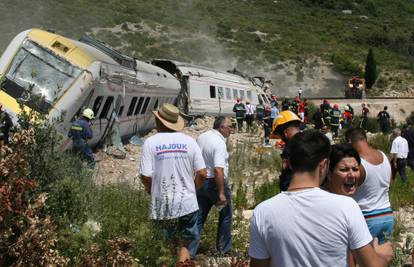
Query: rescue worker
{"points": [[286, 125], [240, 109], [335, 119], [326, 111], [347, 117], [260, 110], [5, 126], [80, 132]]}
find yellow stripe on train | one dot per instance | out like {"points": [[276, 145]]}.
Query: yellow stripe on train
{"points": [[11, 103]]}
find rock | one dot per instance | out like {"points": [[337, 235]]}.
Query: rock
{"points": [[247, 214]]}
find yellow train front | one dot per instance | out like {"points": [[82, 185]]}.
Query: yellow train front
{"points": [[57, 76]]}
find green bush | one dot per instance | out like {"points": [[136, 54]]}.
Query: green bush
{"points": [[265, 191]]}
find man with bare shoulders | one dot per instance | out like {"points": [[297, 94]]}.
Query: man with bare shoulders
{"points": [[307, 226], [372, 195]]}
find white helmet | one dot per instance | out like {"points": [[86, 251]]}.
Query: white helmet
{"points": [[88, 113]]}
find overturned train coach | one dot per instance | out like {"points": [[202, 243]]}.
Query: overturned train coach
{"points": [[58, 77]]}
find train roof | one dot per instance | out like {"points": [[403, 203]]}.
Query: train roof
{"points": [[202, 71]]}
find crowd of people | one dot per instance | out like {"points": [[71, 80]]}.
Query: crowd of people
{"points": [[333, 209]]}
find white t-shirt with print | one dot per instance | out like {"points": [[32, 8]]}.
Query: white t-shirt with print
{"points": [[171, 159], [214, 149], [310, 227]]}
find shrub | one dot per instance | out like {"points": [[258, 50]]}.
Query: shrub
{"points": [[265, 191], [27, 237]]}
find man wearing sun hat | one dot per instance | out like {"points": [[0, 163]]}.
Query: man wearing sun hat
{"points": [[169, 162]]}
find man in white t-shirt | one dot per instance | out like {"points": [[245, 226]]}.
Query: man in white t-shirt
{"points": [[399, 151], [250, 111], [307, 226], [216, 190], [168, 164]]}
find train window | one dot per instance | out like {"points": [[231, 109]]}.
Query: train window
{"points": [[235, 95], [242, 94], [144, 108], [212, 91], [228, 93], [138, 109], [121, 109], [156, 105], [97, 104], [249, 95], [132, 106], [106, 107]]}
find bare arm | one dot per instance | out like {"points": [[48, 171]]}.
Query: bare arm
{"points": [[147, 181], [259, 263], [367, 256], [219, 178], [200, 177]]}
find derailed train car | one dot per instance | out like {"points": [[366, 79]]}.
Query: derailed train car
{"points": [[58, 77], [210, 91]]}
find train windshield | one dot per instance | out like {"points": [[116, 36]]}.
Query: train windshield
{"points": [[36, 72]]}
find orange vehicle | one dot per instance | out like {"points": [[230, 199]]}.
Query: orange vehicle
{"points": [[355, 88]]}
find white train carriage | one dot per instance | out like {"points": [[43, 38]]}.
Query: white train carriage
{"points": [[58, 77], [209, 91]]}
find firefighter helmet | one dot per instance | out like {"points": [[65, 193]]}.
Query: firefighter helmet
{"points": [[283, 119], [88, 113]]}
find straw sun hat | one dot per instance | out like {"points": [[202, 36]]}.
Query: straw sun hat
{"points": [[169, 116]]}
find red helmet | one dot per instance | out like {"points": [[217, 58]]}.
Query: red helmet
{"points": [[336, 106], [327, 102]]}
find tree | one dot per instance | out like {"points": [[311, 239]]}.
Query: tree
{"points": [[370, 69]]}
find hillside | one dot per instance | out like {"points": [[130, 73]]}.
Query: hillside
{"points": [[314, 44]]}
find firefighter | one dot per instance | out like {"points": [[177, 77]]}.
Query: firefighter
{"points": [[240, 109], [80, 132], [335, 115], [326, 111], [286, 125]]}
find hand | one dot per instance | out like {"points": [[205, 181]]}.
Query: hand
{"points": [[222, 201], [384, 251]]}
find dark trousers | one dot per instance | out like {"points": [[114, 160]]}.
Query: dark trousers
{"points": [[401, 164], [384, 127], [207, 196], [249, 121], [410, 161], [240, 124]]}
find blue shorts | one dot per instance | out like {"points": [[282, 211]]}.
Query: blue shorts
{"points": [[380, 224], [181, 228]]}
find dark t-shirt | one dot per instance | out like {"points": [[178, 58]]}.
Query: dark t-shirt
{"points": [[383, 116]]}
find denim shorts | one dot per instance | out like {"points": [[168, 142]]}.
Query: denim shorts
{"points": [[381, 227], [181, 228]]}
